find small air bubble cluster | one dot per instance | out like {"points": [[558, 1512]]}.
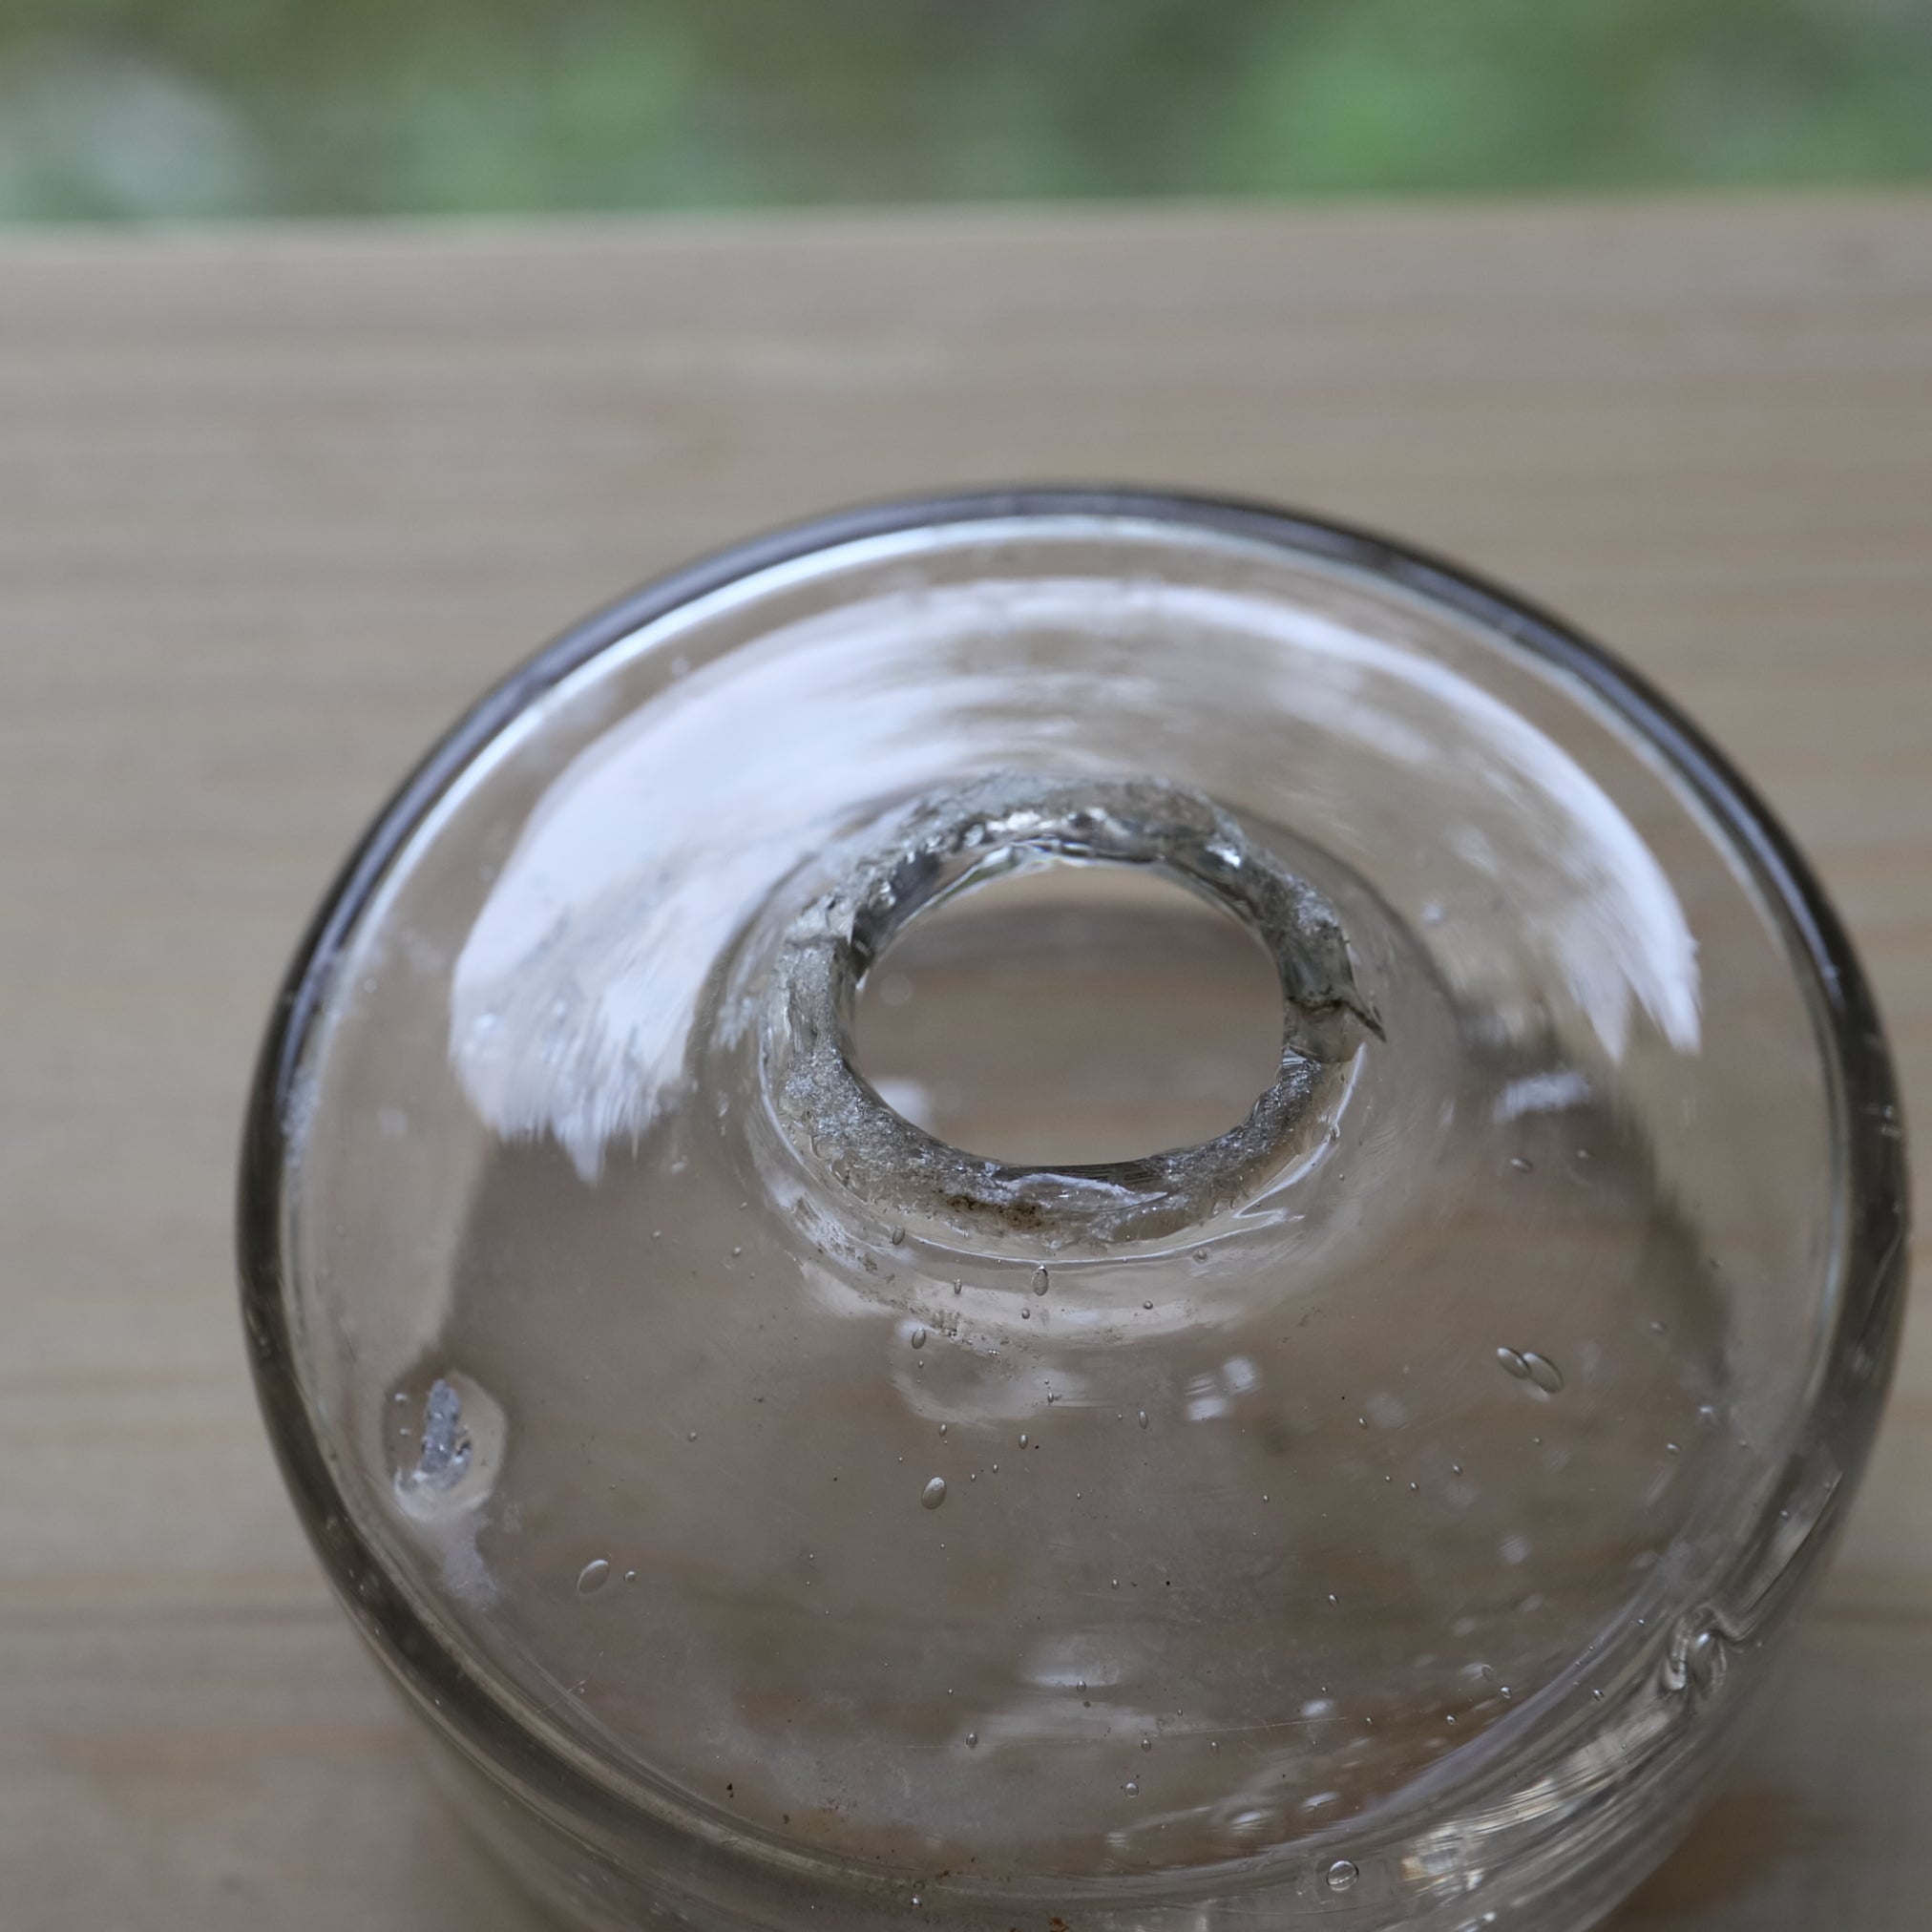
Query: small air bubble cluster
{"points": [[1527, 1366]]}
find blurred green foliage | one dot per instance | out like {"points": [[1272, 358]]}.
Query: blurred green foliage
{"points": [[156, 109]]}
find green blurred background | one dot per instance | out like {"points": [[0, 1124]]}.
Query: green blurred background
{"points": [[142, 110]]}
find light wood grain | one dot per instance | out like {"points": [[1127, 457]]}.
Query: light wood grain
{"points": [[274, 504]]}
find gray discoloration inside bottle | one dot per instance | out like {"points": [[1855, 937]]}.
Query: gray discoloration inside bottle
{"points": [[947, 842], [445, 1443]]}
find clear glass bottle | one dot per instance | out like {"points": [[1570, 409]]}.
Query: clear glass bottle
{"points": [[1068, 1207]]}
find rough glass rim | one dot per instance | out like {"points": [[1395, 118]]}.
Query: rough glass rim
{"points": [[1861, 1283]]}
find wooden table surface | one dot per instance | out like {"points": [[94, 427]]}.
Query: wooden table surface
{"points": [[275, 503]]}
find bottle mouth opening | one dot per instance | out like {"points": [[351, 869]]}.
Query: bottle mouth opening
{"points": [[1055, 1012], [948, 843]]}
